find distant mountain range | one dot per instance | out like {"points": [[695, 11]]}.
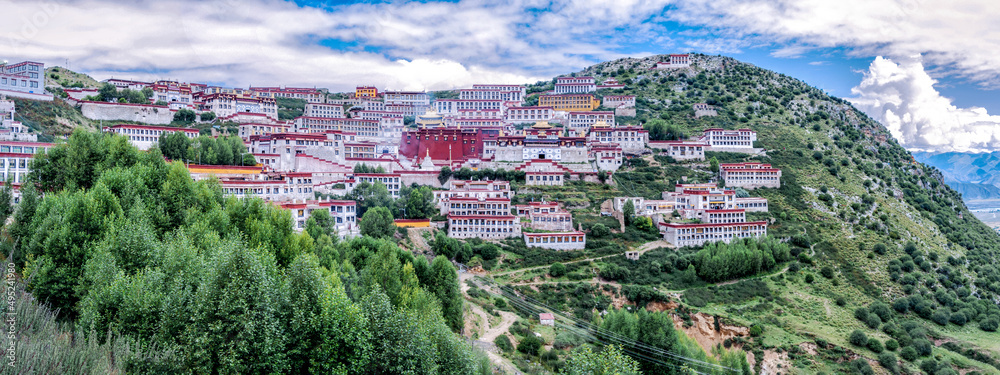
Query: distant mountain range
{"points": [[975, 176]]}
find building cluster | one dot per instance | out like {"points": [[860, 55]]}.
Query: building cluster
{"points": [[486, 126], [10, 128], [25, 79], [695, 214]]}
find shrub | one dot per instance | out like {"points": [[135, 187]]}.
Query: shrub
{"points": [[567, 339], [888, 361], [756, 330], [882, 310], [809, 278], [861, 366], [908, 353], [841, 301], [858, 338], [861, 313], [827, 272], [940, 317], [875, 345], [958, 318], [891, 345], [880, 249], [503, 343], [557, 269], [989, 324], [529, 345], [600, 231], [923, 347]]}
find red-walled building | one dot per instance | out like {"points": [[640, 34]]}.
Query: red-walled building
{"points": [[443, 144]]}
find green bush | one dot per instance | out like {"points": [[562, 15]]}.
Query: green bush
{"points": [[827, 272], [875, 345], [557, 269], [989, 324], [503, 343], [756, 330], [861, 366], [529, 345], [888, 361], [891, 345], [941, 317], [908, 353], [566, 340], [858, 338]]}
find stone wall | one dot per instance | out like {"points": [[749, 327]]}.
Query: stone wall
{"points": [[146, 114]]}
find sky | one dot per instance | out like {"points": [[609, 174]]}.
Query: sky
{"points": [[927, 70]]}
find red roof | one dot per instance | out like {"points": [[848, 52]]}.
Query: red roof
{"points": [[545, 316], [704, 225]]}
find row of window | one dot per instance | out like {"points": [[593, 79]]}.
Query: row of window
{"points": [[24, 83], [549, 239]]}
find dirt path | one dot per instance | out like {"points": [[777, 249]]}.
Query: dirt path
{"points": [[417, 238], [488, 333]]}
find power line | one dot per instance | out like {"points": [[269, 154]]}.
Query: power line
{"points": [[523, 303]]}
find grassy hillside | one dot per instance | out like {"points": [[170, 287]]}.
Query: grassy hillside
{"points": [[868, 226], [56, 76]]}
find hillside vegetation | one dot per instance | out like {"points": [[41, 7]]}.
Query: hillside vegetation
{"points": [[868, 227]]}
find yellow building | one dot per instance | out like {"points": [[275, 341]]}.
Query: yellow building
{"points": [[569, 102], [365, 92]]}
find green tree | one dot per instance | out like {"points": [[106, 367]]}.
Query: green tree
{"points": [[108, 93], [6, 202], [529, 345], [713, 165], [378, 223], [420, 203], [557, 269], [370, 195], [185, 116], [444, 175], [610, 361], [600, 231], [207, 116], [320, 223], [236, 327], [443, 283], [628, 211], [175, 145]]}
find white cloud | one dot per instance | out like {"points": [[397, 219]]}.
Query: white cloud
{"points": [[902, 97], [405, 45], [960, 34]]}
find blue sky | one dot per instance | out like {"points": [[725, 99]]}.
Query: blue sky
{"points": [[928, 71]]}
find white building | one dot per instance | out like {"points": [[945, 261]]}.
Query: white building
{"points": [[342, 212], [23, 77], [584, 120], [539, 178], [752, 204], [750, 175], [572, 240], [615, 101], [323, 110], [528, 115], [15, 159], [145, 137], [390, 180], [631, 139], [575, 85], [699, 234], [483, 226], [729, 139], [680, 150]]}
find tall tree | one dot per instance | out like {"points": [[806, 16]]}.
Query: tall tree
{"points": [[175, 145], [377, 222], [444, 284], [628, 212], [610, 361]]}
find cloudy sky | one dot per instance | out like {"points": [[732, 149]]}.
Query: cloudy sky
{"points": [[928, 70]]}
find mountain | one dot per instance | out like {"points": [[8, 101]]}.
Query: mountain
{"points": [[974, 175], [889, 271], [870, 226]]}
